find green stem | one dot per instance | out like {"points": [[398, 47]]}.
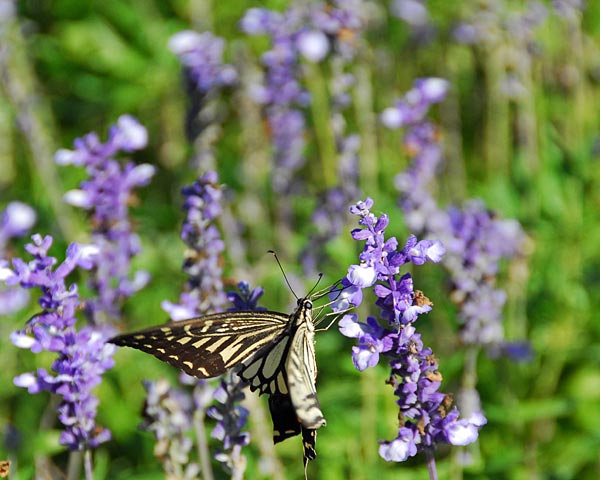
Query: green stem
{"points": [[366, 121], [202, 445], [321, 116]]}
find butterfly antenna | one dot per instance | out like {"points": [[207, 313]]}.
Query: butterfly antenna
{"points": [[272, 252], [316, 284]]}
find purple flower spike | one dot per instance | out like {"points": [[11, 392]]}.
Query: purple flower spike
{"points": [[427, 417], [168, 414], [202, 55], [204, 288], [474, 239], [82, 356], [106, 195]]}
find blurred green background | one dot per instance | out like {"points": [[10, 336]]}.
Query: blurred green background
{"points": [[71, 67]]}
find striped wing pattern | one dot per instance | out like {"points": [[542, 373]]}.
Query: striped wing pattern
{"points": [[208, 346], [273, 352], [301, 367]]}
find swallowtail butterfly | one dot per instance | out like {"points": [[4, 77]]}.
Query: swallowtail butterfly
{"points": [[273, 352]]}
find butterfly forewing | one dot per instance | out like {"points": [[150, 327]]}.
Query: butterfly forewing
{"points": [[208, 346]]}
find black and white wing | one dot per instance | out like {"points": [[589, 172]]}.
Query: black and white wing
{"points": [[208, 346], [301, 369]]}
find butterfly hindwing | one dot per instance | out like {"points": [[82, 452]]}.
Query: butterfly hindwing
{"points": [[286, 424], [283, 414], [208, 346]]}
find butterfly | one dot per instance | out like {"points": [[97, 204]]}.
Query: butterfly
{"points": [[272, 352]]}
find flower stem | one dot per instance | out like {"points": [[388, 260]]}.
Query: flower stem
{"points": [[203, 452], [431, 468], [322, 124], [88, 464]]}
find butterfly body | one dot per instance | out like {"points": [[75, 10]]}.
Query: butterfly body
{"points": [[272, 352]]}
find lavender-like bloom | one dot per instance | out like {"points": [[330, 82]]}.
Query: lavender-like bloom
{"points": [[343, 24], [16, 220], [203, 292], [475, 239], [83, 355], [427, 417], [107, 195], [413, 12], [246, 299], [282, 95], [496, 29], [205, 75], [477, 242], [168, 413], [231, 419], [202, 55]]}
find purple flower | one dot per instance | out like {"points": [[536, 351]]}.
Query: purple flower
{"points": [[17, 219], [203, 292], [246, 299], [492, 26], [313, 45], [202, 55], [231, 419], [168, 414], [372, 338], [106, 194], [426, 415], [401, 448], [82, 355], [413, 12], [474, 239], [415, 104]]}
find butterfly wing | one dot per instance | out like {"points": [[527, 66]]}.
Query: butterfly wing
{"points": [[286, 424], [302, 376], [208, 346], [283, 414], [265, 370]]}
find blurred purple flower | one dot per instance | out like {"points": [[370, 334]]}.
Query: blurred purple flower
{"points": [[107, 194], [475, 240], [203, 291], [343, 23], [246, 299], [415, 104], [203, 294], [202, 55], [17, 219], [311, 31], [83, 356], [413, 12], [168, 414], [231, 419], [493, 27]]}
